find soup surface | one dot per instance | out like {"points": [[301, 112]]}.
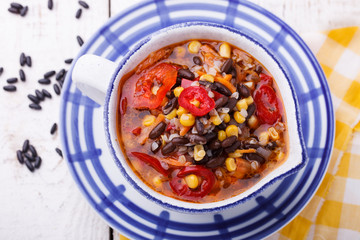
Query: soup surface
{"points": [[201, 121]]}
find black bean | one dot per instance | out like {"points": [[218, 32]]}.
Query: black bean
{"points": [[68, 61], [29, 157], [24, 11], [46, 93], [157, 131], [14, 10], [250, 145], [22, 59], [214, 144], [33, 98], [1, 70], [57, 89], [171, 105], [28, 61], [252, 77], [186, 73], [215, 162], [44, 81], [197, 60], [255, 157], [78, 13], [222, 89], [231, 103], [221, 126], [12, 80], [210, 136], [207, 84], [228, 141], [58, 150], [233, 147], [178, 141], [37, 162], [60, 74], [34, 106], [16, 5], [197, 139], [20, 156], [170, 95], [227, 66], [84, 4], [243, 90], [22, 75], [61, 82], [220, 102], [250, 110], [39, 95], [25, 146], [53, 128], [50, 4], [203, 161], [33, 150], [80, 40], [258, 69], [9, 88], [168, 148], [271, 145], [49, 74], [155, 146], [29, 165], [233, 73], [199, 126]]}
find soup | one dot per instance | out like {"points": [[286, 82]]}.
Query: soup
{"points": [[201, 121]]}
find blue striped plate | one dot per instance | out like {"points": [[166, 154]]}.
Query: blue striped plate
{"points": [[122, 207]]}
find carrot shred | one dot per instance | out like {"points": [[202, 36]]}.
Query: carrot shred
{"points": [[251, 150], [175, 162], [200, 73], [184, 130], [145, 131], [226, 83]]}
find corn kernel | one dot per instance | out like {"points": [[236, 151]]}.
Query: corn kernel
{"points": [[181, 111], [238, 117], [226, 117], [177, 91], [225, 50], [230, 164], [207, 77], [253, 121], [187, 119], [155, 89], [242, 104], [199, 152], [280, 156], [274, 135], [221, 135], [249, 100], [232, 130], [216, 120], [195, 102], [264, 138], [235, 154], [192, 181], [148, 120], [171, 115], [157, 181], [194, 46]]}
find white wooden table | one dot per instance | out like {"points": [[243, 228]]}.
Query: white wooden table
{"points": [[47, 204]]}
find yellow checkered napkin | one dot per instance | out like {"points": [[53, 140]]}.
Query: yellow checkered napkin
{"points": [[334, 211]]}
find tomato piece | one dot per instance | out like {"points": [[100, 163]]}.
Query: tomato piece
{"points": [[154, 162], [179, 186], [162, 77], [196, 93], [136, 131], [266, 79], [267, 105]]}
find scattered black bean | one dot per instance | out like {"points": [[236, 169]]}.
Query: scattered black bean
{"points": [[50, 4], [32, 150], [222, 89], [220, 102], [60, 74], [186, 73], [231, 103], [228, 141], [44, 81], [197, 139], [227, 66], [155, 146], [233, 147], [12, 80], [157, 131], [20, 156], [80, 40], [24, 11], [34, 106], [207, 84], [9, 88], [22, 75], [22, 59], [84, 4], [14, 10], [61, 82], [78, 13], [210, 136], [258, 69], [168, 148], [25, 146], [68, 61], [254, 156], [180, 141], [214, 144], [200, 128], [197, 60], [29, 157], [16, 5], [53, 129], [39, 95], [1, 70], [49, 74], [46, 93], [215, 162], [250, 110], [171, 105], [37, 162], [57, 89], [33, 98], [29, 165], [28, 61], [243, 90], [58, 150]]}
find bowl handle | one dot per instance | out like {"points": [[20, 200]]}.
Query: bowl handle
{"points": [[92, 74]]}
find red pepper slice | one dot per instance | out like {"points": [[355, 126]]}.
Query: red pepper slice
{"points": [[267, 105], [162, 75], [154, 162], [266, 79], [178, 185], [196, 93]]}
